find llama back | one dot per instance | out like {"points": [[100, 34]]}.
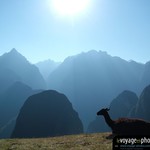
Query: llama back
{"points": [[126, 126]]}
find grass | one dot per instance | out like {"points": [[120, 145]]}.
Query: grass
{"points": [[96, 141]]}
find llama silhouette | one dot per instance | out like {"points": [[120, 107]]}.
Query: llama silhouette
{"points": [[126, 126]]}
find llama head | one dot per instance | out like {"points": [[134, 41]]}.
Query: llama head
{"points": [[103, 111]]}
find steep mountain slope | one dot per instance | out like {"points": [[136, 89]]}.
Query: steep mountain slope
{"points": [[17, 65], [93, 79], [48, 113]]}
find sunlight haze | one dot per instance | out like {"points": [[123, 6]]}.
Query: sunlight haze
{"points": [[69, 7], [43, 29]]}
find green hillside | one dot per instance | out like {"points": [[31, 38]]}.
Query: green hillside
{"points": [[96, 141]]}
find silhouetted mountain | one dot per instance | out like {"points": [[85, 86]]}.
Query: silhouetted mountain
{"points": [[141, 109], [47, 67], [15, 67], [90, 80], [11, 102], [48, 113], [119, 107]]}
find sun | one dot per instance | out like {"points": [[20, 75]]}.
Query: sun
{"points": [[69, 7]]}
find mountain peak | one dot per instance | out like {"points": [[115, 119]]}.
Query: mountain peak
{"points": [[14, 51], [14, 55], [13, 58]]}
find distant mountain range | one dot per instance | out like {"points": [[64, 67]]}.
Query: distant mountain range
{"points": [[93, 79], [90, 80]]}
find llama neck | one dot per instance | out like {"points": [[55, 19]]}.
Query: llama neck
{"points": [[108, 120]]}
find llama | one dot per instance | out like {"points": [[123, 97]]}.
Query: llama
{"points": [[126, 126]]}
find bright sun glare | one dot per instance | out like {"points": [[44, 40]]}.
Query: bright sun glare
{"points": [[69, 7]]}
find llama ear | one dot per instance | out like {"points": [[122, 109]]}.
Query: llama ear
{"points": [[107, 109]]}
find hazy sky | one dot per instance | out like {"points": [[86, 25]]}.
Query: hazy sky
{"points": [[120, 27]]}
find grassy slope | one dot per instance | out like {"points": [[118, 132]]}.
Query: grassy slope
{"points": [[96, 141]]}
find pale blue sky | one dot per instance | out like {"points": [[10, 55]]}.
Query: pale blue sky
{"points": [[120, 27]]}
